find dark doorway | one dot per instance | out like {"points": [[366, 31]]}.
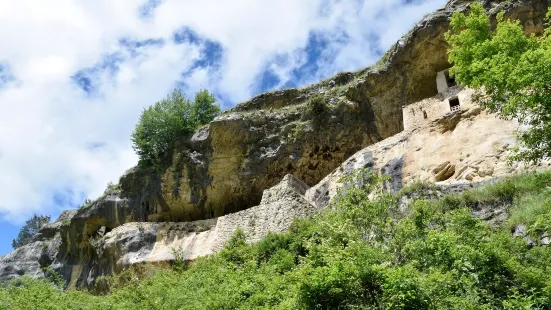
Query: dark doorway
{"points": [[450, 80], [454, 104]]}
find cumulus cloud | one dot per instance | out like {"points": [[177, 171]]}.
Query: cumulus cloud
{"points": [[75, 75]]}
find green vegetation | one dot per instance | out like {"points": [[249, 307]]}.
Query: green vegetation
{"points": [[29, 230], [511, 71], [66, 222], [111, 189], [167, 120], [86, 204], [360, 254], [317, 107]]}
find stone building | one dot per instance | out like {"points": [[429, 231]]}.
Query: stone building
{"points": [[451, 98]]}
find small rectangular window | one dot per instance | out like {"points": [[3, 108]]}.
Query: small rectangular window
{"points": [[454, 104]]}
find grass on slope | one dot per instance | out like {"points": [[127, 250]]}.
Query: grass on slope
{"points": [[362, 254]]}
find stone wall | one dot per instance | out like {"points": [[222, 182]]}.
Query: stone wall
{"points": [[428, 110], [155, 243]]}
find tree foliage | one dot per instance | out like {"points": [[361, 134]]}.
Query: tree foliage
{"points": [[510, 70], [161, 124], [29, 230]]}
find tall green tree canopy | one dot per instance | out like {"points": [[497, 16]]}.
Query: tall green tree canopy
{"points": [[168, 119], [29, 230], [510, 71]]}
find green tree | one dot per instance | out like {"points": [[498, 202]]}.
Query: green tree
{"points": [[29, 230], [203, 109], [510, 71], [168, 119]]}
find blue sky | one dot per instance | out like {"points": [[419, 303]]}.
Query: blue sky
{"points": [[75, 75]]}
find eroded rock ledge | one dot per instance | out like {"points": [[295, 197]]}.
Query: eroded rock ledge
{"points": [[134, 243], [215, 177]]}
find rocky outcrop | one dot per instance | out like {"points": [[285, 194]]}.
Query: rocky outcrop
{"points": [[22, 261], [32, 259], [469, 145], [455, 149], [224, 167], [157, 242], [213, 179], [160, 243]]}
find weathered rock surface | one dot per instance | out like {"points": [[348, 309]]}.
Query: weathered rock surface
{"points": [[215, 177], [30, 259], [22, 261], [158, 243], [225, 167], [466, 146]]}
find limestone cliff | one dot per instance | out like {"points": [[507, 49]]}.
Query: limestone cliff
{"points": [[465, 146], [224, 167], [214, 180]]}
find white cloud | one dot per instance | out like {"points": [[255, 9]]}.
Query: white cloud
{"points": [[54, 137]]}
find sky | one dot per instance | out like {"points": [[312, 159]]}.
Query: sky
{"points": [[75, 76]]}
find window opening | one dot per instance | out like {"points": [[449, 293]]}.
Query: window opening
{"points": [[450, 80], [454, 104]]}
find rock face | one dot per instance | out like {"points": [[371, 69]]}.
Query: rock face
{"points": [[22, 261], [216, 179], [159, 243], [225, 166], [156, 242], [30, 259], [469, 145]]}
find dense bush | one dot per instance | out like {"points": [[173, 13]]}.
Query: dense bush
{"points": [[167, 120], [362, 253], [510, 70], [318, 109], [29, 230]]}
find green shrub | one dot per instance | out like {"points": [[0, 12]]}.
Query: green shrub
{"points": [[180, 262], [86, 204], [270, 244], [283, 261], [318, 108], [111, 189], [236, 250]]}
